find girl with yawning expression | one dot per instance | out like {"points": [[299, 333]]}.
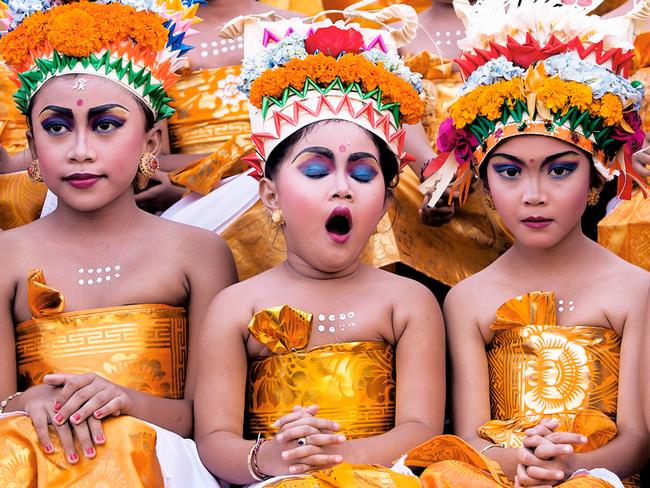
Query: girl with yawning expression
{"points": [[322, 361]]}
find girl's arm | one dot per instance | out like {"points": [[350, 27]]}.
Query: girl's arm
{"points": [[470, 375]]}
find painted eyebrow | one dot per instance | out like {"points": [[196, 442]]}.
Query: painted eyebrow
{"points": [[361, 155], [322, 151], [547, 159], [60, 110], [104, 108]]}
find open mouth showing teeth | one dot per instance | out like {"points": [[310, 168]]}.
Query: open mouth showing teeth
{"points": [[338, 224]]}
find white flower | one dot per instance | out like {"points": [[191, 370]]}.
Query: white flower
{"points": [[227, 91], [495, 70], [20, 9]]}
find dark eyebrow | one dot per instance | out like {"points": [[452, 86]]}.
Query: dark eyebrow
{"points": [[103, 108], [60, 110], [547, 159], [361, 155], [322, 151]]}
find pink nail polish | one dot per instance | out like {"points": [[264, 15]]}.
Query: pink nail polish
{"points": [[57, 406], [98, 414], [100, 438], [76, 417], [58, 419], [90, 452], [49, 449], [73, 458]]}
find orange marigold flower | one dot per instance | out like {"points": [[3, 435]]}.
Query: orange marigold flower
{"points": [[75, 33], [350, 68], [609, 107]]}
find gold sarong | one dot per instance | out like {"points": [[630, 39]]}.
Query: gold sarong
{"points": [[352, 383], [537, 370], [142, 347]]}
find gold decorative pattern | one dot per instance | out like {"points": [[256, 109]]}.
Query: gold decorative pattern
{"points": [[353, 383], [143, 347], [537, 369]]}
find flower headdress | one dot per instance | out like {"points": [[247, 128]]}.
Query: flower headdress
{"points": [[299, 71], [545, 67], [137, 43]]}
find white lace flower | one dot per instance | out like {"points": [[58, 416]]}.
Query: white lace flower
{"points": [[228, 92]]}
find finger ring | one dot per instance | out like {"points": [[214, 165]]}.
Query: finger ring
{"points": [[301, 441]]}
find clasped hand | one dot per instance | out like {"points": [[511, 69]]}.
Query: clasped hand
{"points": [[74, 404], [545, 459], [303, 442]]}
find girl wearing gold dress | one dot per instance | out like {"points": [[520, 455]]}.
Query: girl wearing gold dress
{"points": [[101, 302], [322, 363], [545, 389]]}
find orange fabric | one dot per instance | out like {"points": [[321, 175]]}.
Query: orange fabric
{"points": [[352, 383], [537, 369], [626, 229], [132, 463], [21, 201], [139, 346]]}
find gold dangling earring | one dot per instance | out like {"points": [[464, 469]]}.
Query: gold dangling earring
{"points": [[34, 172], [593, 197], [147, 168], [489, 201], [277, 217]]}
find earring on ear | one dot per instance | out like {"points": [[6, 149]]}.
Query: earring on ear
{"points": [[594, 196], [34, 172], [277, 217], [147, 168], [489, 201]]}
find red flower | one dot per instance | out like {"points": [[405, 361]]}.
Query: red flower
{"points": [[460, 141], [333, 41]]}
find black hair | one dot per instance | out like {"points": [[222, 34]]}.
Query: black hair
{"points": [[387, 159], [149, 117]]}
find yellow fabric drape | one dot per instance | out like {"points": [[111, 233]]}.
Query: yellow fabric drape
{"points": [[537, 369], [352, 383], [21, 200], [143, 347]]}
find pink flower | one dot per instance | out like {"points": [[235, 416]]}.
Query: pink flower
{"points": [[460, 141], [635, 139], [333, 41]]}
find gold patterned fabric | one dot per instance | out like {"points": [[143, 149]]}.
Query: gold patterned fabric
{"points": [[537, 369], [21, 200], [626, 230], [352, 383], [138, 346], [133, 464]]}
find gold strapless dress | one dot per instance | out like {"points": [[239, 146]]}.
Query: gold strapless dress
{"points": [[20, 199], [537, 369], [142, 347], [353, 384]]}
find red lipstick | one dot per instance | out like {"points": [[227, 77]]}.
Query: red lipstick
{"points": [[339, 224], [536, 222], [82, 180]]}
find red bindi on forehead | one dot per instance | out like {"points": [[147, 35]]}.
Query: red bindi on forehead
{"points": [[80, 102], [342, 148]]}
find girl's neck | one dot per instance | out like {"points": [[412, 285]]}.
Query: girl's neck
{"points": [[566, 255], [115, 218], [298, 268]]}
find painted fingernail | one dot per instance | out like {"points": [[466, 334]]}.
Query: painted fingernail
{"points": [[76, 417], [49, 449], [98, 414], [100, 438], [73, 458], [58, 418], [57, 406], [90, 452]]}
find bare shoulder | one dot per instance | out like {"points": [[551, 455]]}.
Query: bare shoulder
{"points": [[627, 282]]}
